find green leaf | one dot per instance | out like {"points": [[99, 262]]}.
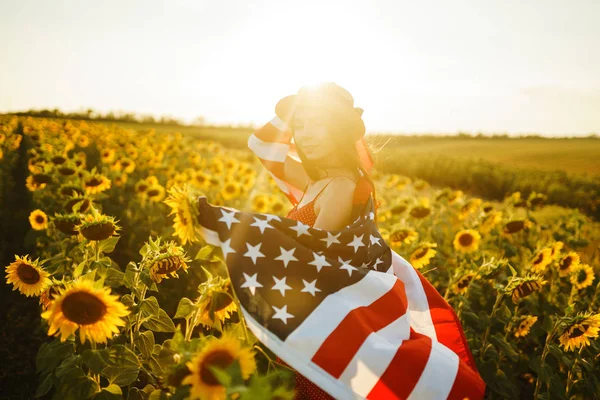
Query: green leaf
{"points": [[79, 269], [158, 395], [146, 279], [512, 270], [145, 343], [498, 340], [149, 307], [121, 376], [111, 392], [221, 375], [130, 272], [547, 324], [205, 253], [114, 277], [45, 386], [108, 245], [96, 360], [162, 323], [50, 355], [185, 308]]}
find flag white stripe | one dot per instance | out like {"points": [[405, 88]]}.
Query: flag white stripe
{"points": [[210, 236], [375, 355], [269, 151], [439, 374], [312, 332], [418, 305], [294, 357], [278, 123]]}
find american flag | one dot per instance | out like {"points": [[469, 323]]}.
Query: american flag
{"points": [[340, 307]]}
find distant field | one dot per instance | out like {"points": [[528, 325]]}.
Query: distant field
{"points": [[577, 155]]}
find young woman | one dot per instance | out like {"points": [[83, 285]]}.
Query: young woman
{"points": [[328, 133]]}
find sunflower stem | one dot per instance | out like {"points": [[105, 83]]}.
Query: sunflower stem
{"points": [[549, 337], [499, 297], [570, 375], [97, 246]]}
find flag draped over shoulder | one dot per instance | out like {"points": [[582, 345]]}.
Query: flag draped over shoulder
{"points": [[341, 307]]}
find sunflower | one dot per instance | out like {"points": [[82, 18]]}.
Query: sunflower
{"points": [[261, 203], [231, 190], [155, 192], [490, 220], [455, 196], [219, 353], [422, 255], [165, 260], [582, 276], [141, 186], [107, 156], [95, 311], [463, 283], [582, 327], [83, 141], [181, 204], [404, 235], [211, 297], [120, 180], [466, 240], [28, 276], [523, 286], [516, 226], [276, 205], [525, 325], [469, 208], [33, 185], [66, 223], [567, 263], [127, 164], [541, 260], [96, 183], [420, 211], [78, 203], [96, 226], [38, 220]]}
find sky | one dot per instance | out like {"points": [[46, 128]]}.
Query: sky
{"points": [[444, 67]]}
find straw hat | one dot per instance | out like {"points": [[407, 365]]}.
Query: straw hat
{"points": [[326, 96]]}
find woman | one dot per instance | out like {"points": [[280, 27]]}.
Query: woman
{"points": [[329, 135]]}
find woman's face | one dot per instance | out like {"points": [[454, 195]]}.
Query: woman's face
{"points": [[310, 134]]}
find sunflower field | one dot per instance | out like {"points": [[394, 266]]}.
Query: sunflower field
{"points": [[98, 245]]}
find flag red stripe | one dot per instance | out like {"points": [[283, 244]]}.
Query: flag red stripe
{"points": [[405, 369], [275, 167], [350, 334], [270, 133], [447, 325], [468, 384]]}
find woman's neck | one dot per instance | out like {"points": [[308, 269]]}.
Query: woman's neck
{"points": [[332, 172]]}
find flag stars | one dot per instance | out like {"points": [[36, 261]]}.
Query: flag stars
{"points": [[375, 239], [251, 282], [226, 248], [319, 261], [331, 238], [228, 218], [301, 229], [310, 287], [357, 242], [282, 314], [262, 224], [286, 256], [281, 285], [377, 262], [253, 252], [346, 265]]}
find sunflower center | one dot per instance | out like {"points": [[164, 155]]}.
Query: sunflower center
{"points": [[421, 252], [28, 274], [93, 182], [514, 226], [230, 189], [464, 282], [579, 331], [83, 308], [581, 276], [218, 358], [465, 239], [152, 192], [566, 263], [539, 259], [39, 219]]}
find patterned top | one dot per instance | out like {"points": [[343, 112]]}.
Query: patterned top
{"points": [[306, 214]]}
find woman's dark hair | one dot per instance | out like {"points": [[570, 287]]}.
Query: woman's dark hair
{"points": [[338, 130]]}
